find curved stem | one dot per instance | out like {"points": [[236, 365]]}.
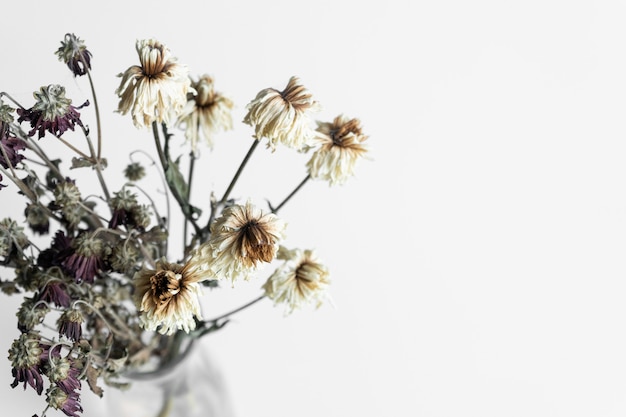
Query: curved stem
{"points": [[304, 181]]}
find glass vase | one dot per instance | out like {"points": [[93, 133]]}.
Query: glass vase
{"points": [[189, 386]]}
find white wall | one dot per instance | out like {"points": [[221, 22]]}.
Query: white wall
{"points": [[477, 260]]}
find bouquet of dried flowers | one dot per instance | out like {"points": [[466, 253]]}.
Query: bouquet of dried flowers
{"points": [[101, 294]]}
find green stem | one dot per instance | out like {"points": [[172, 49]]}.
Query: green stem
{"points": [[96, 108], [192, 165], [182, 202], [98, 169]]}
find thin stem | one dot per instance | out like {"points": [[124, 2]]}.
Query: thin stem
{"points": [[12, 99], [304, 181], [230, 313], [124, 334], [20, 184], [96, 108], [255, 143], [216, 204], [192, 165], [98, 167], [72, 147]]}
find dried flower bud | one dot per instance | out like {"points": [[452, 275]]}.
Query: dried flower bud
{"points": [[75, 54], [6, 113], [134, 171], [66, 193], [12, 237], [37, 218], [123, 257], [140, 216]]}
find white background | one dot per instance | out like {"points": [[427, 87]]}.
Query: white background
{"points": [[477, 259]]}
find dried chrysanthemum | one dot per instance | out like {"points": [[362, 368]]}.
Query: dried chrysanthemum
{"points": [[70, 324], [52, 112], [55, 291], [75, 54], [69, 403], [87, 259], [156, 90], [282, 116], [241, 239], [30, 314], [340, 147], [301, 279], [63, 372], [127, 211], [207, 112], [26, 354], [167, 297]]}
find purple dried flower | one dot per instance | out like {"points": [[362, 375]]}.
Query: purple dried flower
{"points": [[87, 258], [60, 249], [55, 292], [75, 54], [52, 112], [70, 324], [26, 355], [69, 403]]}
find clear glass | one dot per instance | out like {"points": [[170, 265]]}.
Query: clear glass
{"points": [[192, 387]]}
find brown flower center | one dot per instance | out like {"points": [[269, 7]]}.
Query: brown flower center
{"points": [[165, 284], [339, 132], [255, 242]]}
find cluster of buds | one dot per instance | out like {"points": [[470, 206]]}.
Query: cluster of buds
{"points": [[105, 285]]}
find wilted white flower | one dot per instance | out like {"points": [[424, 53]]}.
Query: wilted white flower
{"points": [[156, 90], [167, 297], [282, 116], [207, 112], [300, 280], [242, 238], [340, 147]]}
